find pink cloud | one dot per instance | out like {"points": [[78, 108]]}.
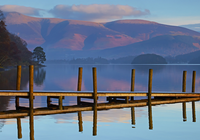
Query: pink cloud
{"points": [[21, 9], [96, 12]]}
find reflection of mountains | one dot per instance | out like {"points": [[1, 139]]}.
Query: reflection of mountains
{"points": [[118, 77]]}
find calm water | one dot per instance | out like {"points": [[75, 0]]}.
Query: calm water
{"points": [[114, 123]]}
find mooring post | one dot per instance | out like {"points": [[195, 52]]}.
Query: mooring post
{"points": [[132, 82], [80, 71], [193, 90], [19, 128], [80, 121], [31, 118], [149, 99], [95, 101], [184, 90], [193, 81], [60, 102], [18, 84]]}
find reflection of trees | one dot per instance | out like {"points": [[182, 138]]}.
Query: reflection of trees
{"points": [[8, 82], [1, 124], [39, 76], [145, 68]]}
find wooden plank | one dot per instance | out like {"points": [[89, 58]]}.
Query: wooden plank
{"points": [[100, 93]]}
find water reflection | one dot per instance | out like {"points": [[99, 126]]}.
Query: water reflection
{"points": [[100, 106], [169, 78], [39, 76]]}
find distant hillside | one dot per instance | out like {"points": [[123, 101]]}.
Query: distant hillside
{"points": [[74, 38], [144, 30], [195, 60], [62, 33], [162, 45], [185, 58], [149, 59], [195, 27]]}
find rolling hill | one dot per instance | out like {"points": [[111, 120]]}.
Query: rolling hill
{"points": [[74, 38]]}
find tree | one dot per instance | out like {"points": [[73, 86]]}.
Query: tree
{"points": [[39, 55]]}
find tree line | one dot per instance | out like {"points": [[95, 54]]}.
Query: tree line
{"points": [[13, 49]]}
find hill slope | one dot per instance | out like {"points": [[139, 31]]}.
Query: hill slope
{"points": [[113, 39]]}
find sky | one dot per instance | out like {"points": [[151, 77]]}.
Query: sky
{"points": [[171, 12]]}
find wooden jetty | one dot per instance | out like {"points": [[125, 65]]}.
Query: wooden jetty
{"points": [[153, 98]]}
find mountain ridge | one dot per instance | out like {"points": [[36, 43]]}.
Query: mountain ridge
{"points": [[84, 36]]}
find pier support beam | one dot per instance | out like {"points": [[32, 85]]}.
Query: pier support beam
{"points": [[31, 117], [95, 102], [80, 71], [149, 99], [18, 84], [184, 90], [193, 90], [132, 82]]}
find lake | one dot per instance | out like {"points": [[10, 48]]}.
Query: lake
{"points": [[169, 121]]}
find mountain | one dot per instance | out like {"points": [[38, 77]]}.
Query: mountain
{"points": [[161, 45], [144, 30], [74, 38], [195, 27], [185, 58], [62, 33]]}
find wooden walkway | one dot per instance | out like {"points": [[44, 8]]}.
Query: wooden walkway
{"points": [[112, 96]]}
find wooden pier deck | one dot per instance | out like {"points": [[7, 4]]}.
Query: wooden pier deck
{"points": [[153, 98]]}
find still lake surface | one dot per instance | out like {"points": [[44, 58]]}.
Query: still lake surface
{"points": [[114, 123]]}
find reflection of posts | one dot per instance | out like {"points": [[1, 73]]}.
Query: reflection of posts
{"points": [[193, 90], [80, 71], [149, 99], [133, 115], [132, 82], [184, 90], [31, 119], [193, 112], [80, 121], [95, 102], [19, 68], [19, 128]]}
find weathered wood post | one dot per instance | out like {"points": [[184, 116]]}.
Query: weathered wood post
{"points": [[95, 101], [149, 99], [18, 84], [184, 90], [19, 128], [48, 101], [132, 98], [132, 82], [60, 102], [80, 71], [193, 90], [80, 121], [31, 117]]}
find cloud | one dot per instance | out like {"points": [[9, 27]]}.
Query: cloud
{"points": [[96, 12], [21, 9]]}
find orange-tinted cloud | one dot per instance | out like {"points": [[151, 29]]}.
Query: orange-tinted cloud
{"points": [[21, 9], [96, 12]]}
